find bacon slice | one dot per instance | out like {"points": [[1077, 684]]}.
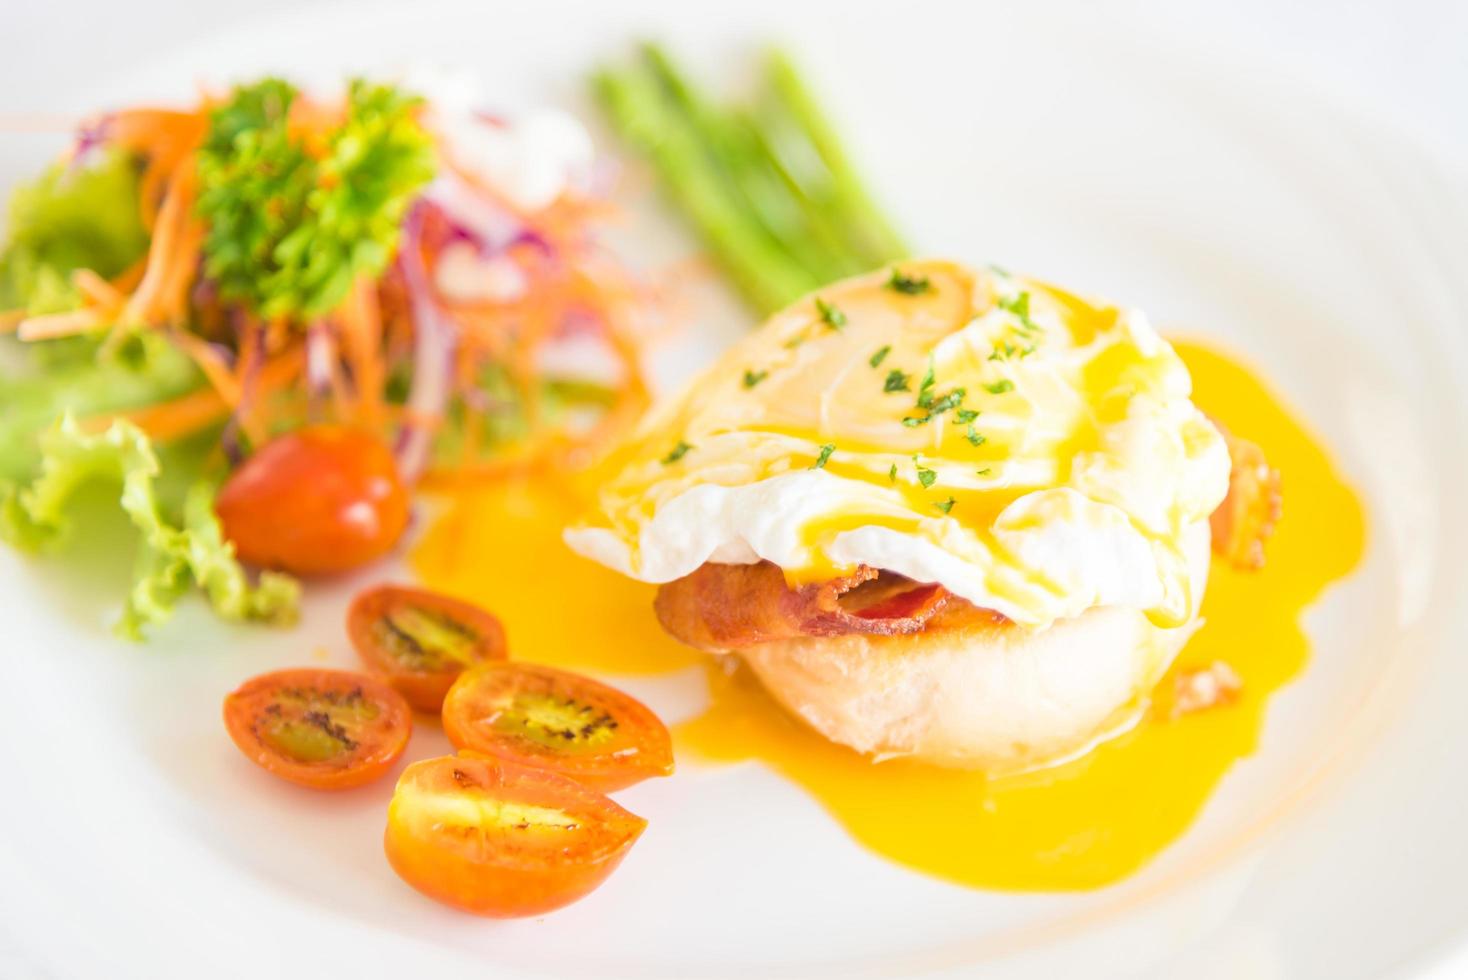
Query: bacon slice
{"points": [[1246, 518], [727, 607]]}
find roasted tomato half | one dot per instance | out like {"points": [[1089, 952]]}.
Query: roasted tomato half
{"points": [[501, 840], [327, 729], [420, 641], [550, 719], [318, 500]]}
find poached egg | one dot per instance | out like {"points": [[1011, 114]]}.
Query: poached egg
{"points": [[1036, 453]]}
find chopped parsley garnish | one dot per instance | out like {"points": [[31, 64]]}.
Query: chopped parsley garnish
{"points": [[946, 505], [951, 400], [965, 415], [925, 390], [1020, 307], [291, 224], [826, 452], [999, 387], [676, 453], [880, 356], [892, 473], [1003, 352], [897, 381], [907, 285], [933, 404], [831, 315], [984, 472], [795, 341], [975, 436], [752, 378], [926, 476]]}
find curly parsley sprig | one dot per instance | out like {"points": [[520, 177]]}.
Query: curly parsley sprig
{"points": [[289, 229]]}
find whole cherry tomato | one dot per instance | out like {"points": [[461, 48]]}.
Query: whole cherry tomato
{"points": [[318, 500]]}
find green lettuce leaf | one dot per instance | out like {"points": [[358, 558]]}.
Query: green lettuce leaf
{"points": [[70, 218], [172, 559], [41, 382]]}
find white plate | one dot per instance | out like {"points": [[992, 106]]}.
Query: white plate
{"points": [[1209, 188]]}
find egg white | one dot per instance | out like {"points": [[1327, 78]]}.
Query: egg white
{"points": [[1075, 489]]}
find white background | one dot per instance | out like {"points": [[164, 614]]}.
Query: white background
{"points": [[1407, 60], [1407, 57]]}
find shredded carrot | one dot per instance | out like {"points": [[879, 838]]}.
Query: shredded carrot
{"points": [[427, 420], [174, 419], [277, 335], [199, 409], [96, 289], [170, 257], [106, 298], [251, 386], [128, 279], [216, 370], [146, 130], [360, 319], [151, 190], [488, 330], [340, 399], [326, 345], [544, 448], [249, 342], [166, 137], [54, 325], [173, 295]]}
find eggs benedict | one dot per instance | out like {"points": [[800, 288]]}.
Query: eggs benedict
{"points": [[943, 513]]}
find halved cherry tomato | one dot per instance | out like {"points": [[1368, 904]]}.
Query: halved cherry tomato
{"points": [[550, 719], [421, 641], [318, 500], [327, 729], [501, 840]]}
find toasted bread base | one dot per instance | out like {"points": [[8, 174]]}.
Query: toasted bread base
{"points": [[975, 691]]}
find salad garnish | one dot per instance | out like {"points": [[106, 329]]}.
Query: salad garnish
{"points": [[188, 285]]}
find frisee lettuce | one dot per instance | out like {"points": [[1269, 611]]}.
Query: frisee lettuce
{"points": [[172, 558]]}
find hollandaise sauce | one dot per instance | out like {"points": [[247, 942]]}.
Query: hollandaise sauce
{"points": [[1083, 824]]}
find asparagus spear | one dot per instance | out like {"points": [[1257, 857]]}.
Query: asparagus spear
{"points": [[862, 215], [752, 180], [809, 186], [769, 188], [759, 269]]}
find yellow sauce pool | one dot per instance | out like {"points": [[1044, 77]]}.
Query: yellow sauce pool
{"points": [[1081, 825]]}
